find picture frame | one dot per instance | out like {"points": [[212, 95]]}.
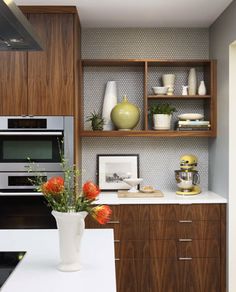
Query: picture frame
{"points": [[113, 168]]}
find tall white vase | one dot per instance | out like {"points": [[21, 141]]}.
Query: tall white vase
{"points": [[70, 227], [110, 101], [192, 82]]}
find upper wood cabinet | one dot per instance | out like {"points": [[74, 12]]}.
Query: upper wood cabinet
{"points": [[50, 72], [43, 82], [13, 83]]}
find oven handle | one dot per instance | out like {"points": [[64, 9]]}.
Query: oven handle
{"points": [[20, 133]]}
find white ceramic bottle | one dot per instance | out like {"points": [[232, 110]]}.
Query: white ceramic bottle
{"points": [[110, 101], [202, 88], [192, 82]]}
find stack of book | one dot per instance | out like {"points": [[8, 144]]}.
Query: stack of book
{"points": [[193, 125]]}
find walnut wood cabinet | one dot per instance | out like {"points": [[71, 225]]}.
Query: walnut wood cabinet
{"points": [[169, 248], [43, 82]]}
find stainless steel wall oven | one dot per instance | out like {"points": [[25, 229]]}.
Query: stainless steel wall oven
{"points": [[41, 140]]}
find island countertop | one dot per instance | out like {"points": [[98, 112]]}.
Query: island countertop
{"points": [[37, 271]]}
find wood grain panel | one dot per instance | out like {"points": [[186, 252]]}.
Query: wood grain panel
{"points": [[176, 230], [135, 249], [164, 212], [134, 230], [199, 249], [134, 213], [163, 248], [91, 223], [133, 275], [199, 212], [13, 83], [200, 275], [164, 276], [51, 72], [223, 247]]}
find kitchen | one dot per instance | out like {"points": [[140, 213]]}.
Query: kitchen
{"points": [[159, 156]]}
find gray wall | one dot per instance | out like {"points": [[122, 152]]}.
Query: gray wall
{"points": [[159, 157], [222, 34]]}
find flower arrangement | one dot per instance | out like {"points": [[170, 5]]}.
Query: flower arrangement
{"points": [[63, 194]]}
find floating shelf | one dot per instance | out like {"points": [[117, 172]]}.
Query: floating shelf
{"points": [[148, 133], [159, 96]]}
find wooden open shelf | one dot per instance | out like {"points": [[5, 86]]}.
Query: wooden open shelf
{"points": [[148, 133], [148, 67]]}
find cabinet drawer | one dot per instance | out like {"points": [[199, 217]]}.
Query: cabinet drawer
{"points": [[134, 230], [134, 213], [115, 225], [115, 215], [196, 275], [198, 248], [163, 248], [176, 230], [185, 212]]}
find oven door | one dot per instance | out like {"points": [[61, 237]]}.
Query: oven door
{"points": [[43, 148], [20, 182]]}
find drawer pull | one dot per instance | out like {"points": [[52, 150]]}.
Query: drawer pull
{"points": [[113, 222], [116, 240], [117, 259], [185, 259], [185, 240], [185, 221]]}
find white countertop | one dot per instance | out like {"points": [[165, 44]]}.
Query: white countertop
{"points": [[111, 198], [37, 271]]}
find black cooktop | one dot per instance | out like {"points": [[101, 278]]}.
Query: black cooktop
{"points": [[8, 262]]}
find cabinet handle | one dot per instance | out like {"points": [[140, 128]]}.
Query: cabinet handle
{"points": [[113, 222], [185, 259], [30, 115], [185, 221], [185, 240], [117, 259], [116, 240]]}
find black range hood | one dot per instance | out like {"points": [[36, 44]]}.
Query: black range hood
{"points": [[16, 33]]}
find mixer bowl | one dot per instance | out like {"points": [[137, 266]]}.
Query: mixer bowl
{"points": [[186, 180]]}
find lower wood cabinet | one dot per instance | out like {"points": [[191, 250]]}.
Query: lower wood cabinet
{"points": [[169, 248]]}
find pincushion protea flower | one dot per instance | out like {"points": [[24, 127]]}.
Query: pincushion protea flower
{"points": [[101, 213], [63, 194]]}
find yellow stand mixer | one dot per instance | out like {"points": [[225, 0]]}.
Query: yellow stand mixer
{"points": [[187, 177]]}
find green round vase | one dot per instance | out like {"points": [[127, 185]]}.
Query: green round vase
{"points": [[125, 115]]}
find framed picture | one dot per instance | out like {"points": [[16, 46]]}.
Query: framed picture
{"points": [[112, 169]]}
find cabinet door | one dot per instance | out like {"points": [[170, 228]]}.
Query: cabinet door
{"points": [[50, 72], [13, 83]]}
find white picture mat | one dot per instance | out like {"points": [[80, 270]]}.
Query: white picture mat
{"points": [[112, 169]]}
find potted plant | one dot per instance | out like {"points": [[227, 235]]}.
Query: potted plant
{"points": [[161, 114], [97, 121]]}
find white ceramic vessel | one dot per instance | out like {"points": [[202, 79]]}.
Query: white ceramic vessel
{"points": [[191, 116], [70, 228], [110, 101], [133, 182], [169, 82], [160, 90], [202, 88]]}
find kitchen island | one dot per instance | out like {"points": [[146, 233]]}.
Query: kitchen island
{"points": [[37, 271]]}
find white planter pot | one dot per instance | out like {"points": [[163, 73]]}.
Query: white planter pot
{"points": [[70, 227], [162, 121], [110, 101]]}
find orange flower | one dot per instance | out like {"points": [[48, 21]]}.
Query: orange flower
{"points": [[54, 186], [90, 190], [101, 214]]}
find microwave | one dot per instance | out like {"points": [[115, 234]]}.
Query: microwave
{"points": [[39, 141]]}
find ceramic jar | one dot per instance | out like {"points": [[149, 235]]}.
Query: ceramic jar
{"points": [[169, 81], [125, 115], [110, 100], [192, 82]]}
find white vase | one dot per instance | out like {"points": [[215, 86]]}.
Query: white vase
{"points": [[169, 81], [162, 121], [192, 82], [110, 101], [202, 88], [70, 228]]}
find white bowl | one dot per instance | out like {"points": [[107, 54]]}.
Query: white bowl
{"points": [[191, 116], [160, 89]]}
